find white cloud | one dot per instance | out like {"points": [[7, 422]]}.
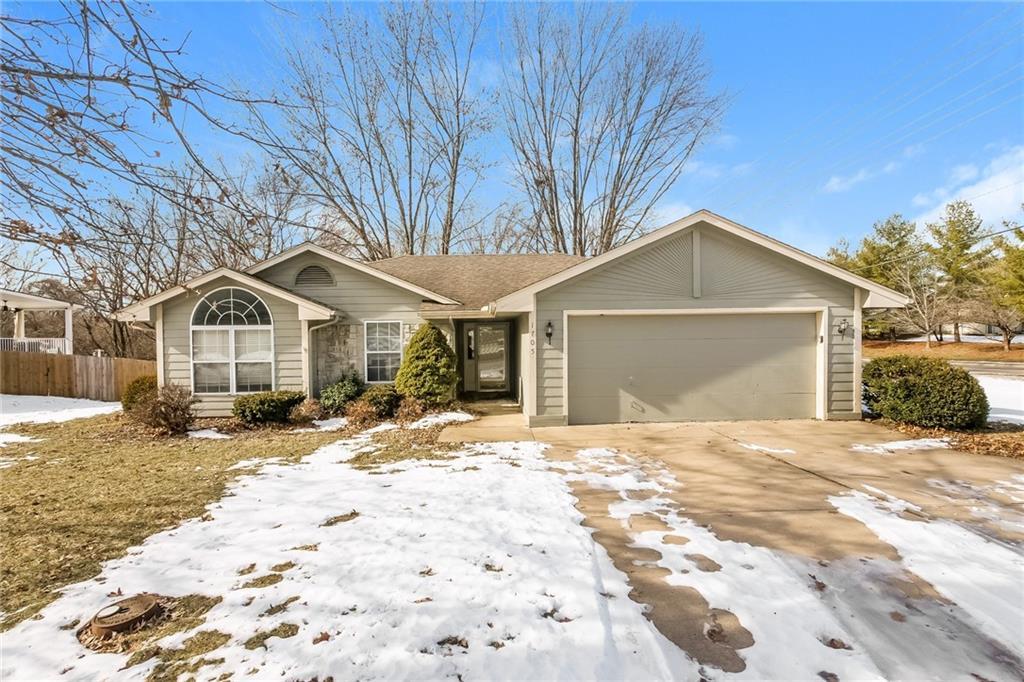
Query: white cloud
{"points": [[727, 140], [997, 191], [841, 183], [713, 170], [964, 173], [669, 211]]}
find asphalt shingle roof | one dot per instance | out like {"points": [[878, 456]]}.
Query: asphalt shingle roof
{"points": [[476, 279]]}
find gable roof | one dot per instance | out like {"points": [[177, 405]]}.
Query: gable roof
{"points": [[476, 279], [366, 268], [878, 295], [308, 308]]}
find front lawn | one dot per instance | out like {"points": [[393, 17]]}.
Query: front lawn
{"points": [[82, 492], [947, 350]]}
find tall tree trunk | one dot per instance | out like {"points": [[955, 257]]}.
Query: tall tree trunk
{"points": [[956, 331], [1006, 339]]}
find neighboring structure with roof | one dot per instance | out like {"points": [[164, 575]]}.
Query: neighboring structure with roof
{"points": [[702, 319], [19, 303]]}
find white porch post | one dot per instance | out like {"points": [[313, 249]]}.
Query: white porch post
{"points": [[69, 331], [306, 388], [19, 324]]}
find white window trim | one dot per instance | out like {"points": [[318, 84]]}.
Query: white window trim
{"points": [[367, 351], [230, 329]]}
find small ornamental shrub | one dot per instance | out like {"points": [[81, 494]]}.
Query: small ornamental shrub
{"points": [[925, 392], [306, 411], [170, 410], [335, 397], [428, 372], [265, 407], [361, 414], [383, 398], [140, 390], [409, 410]]}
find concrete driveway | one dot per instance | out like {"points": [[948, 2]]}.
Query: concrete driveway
{"points": [[886, 541]]}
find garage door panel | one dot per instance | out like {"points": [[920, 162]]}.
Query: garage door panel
{"points": [[712, 378], [706, 367]]}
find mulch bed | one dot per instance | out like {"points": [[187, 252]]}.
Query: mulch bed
{"points": [[1001, 439]]}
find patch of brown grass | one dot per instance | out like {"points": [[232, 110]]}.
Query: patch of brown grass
{"points": [[999, 439], [397, 445], [284, 631], [102, 485], [947, 350], [263, 581]]}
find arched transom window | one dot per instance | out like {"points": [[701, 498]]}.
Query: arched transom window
{"points": [[232, 343]]}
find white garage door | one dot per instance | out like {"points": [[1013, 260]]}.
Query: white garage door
{"points": [[644, 368]]}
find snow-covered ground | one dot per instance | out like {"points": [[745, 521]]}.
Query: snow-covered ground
{"points": [[478, 566], [475, 566], [1005, 398], [18, 409], [971, 338]]}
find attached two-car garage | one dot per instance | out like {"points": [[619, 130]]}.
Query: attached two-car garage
{"points": [[677, 367]]}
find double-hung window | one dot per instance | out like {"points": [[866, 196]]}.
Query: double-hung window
{"points": [[383, 351], [232, 343]]}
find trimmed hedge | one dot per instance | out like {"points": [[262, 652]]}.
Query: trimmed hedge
{"points": [[335, 397], [268, 406], [383, 398], [428, 372], [925, 392], [142, 389]]}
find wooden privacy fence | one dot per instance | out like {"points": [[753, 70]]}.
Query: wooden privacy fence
{"points": [[72, 376]]}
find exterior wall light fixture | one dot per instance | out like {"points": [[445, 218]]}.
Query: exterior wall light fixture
{"points": [[549, 330]]}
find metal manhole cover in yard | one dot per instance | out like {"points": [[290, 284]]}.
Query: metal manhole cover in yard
{"points": [[124, 615]]}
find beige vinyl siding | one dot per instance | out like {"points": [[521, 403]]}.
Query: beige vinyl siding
{"points": [[177, 314], [733, 273], [359, 296]]}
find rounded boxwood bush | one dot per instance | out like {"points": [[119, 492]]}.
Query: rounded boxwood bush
{"points": [[925, 392], [139, 390], [335, 397], [428, 372], [383, 398], [268, 406]]}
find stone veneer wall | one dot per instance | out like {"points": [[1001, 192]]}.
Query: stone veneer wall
{"points": [[338, 349]]}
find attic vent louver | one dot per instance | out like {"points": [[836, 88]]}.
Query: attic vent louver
{"points": [[314, 276]]}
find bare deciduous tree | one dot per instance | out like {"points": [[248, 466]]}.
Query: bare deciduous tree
{"points": [[602, 119], [380, 125], [90, 98], [929, 304]]}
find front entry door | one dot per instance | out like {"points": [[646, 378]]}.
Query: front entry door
{"points": [[485, 357]]}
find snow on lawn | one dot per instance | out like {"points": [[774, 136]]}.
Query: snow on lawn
{"points": [[470, 567], [1005, 398], [212, 434], [439, 419], [17, 409], [981, 576], [901, 445], [332, 424], [6, 438]]}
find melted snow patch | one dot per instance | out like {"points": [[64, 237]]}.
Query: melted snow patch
{"points": [[770, 451], [212, 434], [981, 576], [7, 438], [38, 409], [902, 445]]}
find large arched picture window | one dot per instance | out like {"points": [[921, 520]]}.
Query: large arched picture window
{"points": [[232, 343]]}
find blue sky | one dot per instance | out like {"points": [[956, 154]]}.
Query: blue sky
{"points": [[841, 113]]}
